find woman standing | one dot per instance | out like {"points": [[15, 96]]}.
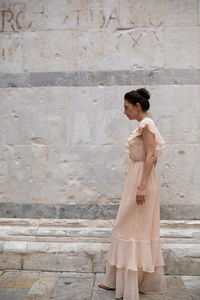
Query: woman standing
{"points": [[134, 259]]}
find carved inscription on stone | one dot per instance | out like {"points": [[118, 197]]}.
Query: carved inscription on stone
{"points": [[13, 21]]}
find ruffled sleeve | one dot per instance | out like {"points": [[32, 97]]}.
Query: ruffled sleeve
{"points": [[160, 143]]}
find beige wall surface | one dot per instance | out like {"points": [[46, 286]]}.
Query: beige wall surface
{"points": [[64, 69]]}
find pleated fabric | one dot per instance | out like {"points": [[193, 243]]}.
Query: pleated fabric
{"points": [[134, 258]]}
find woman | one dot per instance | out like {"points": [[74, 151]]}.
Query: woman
{"points": [[134, 259]]}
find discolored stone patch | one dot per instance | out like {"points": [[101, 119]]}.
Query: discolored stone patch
{"points": [[77, 287], [18, 279]]}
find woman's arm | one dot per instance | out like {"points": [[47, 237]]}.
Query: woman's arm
{"points": [[149, 143]]}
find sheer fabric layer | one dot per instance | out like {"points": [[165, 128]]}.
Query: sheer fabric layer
{"points": [[132, 254]]}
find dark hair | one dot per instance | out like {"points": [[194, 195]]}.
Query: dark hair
{"points": [[141, 96]]}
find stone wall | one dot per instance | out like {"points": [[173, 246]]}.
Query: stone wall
{"points": [[65, 66]]}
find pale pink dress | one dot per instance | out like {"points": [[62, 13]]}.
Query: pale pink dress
{"points": [[134, 259]]}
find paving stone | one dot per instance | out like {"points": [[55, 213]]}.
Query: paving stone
{"points": [[99, 293], [75, 274], [13, 294], [37, 297], [73, 288], [192, 284], [176, 289], [103, 295], [45, 284], [18, 279], [151, 297]]}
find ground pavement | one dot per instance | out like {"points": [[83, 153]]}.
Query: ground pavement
{"points": [[38, 285]]}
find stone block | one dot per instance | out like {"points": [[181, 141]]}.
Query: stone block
{"points": [[182, 47], [37, 122], [57, 262], [61, 173], [134, 49], [45, 51], [11, 52], [177, 164], [164, 13], [181, 259], [10, 261]]}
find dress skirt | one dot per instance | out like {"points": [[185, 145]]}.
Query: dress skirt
{"points": [[134, 258]]}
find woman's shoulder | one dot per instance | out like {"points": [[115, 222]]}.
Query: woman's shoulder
{"points": [[145, 121], [160, 143]]}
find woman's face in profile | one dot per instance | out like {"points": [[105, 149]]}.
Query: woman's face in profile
{"points": [[130, 110]]}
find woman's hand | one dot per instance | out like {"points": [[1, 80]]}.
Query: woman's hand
{"points": [[140, 195]]}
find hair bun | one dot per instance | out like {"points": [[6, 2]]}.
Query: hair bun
{"points": [[144, 93]]}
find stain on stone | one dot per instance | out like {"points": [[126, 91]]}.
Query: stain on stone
{"points": [[38, 140], [67, 282], [181, 152]]}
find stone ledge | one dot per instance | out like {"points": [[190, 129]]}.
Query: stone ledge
{"points": [[81, 245], [94, 231]]}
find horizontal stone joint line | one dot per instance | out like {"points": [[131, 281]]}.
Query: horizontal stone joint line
{"points": [[101, 78]]}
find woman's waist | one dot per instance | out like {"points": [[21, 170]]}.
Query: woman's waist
{"points": [[140, 161]]}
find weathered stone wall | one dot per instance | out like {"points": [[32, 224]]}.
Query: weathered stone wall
{"points": [[65, 66]]}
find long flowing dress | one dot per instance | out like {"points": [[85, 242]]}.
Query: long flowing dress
{"points": [[134, 261]]}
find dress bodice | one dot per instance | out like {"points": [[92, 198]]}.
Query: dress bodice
{"points": [[135, 144], [137, 151]]}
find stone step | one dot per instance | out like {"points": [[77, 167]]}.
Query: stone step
{"points": [[81, 245], [95, 231]]}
